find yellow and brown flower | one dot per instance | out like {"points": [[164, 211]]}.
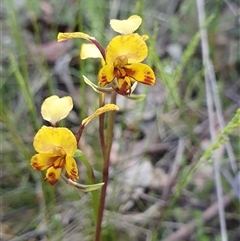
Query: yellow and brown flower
{"points": [[55, 147]]}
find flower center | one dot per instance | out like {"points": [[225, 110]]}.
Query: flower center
{"points": [[59, 151], [120, 61], [59, 162], [119, 64]]}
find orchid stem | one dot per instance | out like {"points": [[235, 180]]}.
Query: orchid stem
{"points": [[106, 156]]}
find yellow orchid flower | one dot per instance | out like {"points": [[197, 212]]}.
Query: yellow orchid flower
{"points": [[123, 56], [54, 109], [127, 26], [55, 147]]}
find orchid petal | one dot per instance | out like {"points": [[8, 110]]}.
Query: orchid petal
{"points": [[52, 175], [71, 168], [99, 111], [65, 36], [90, 51], [106, 75], [126, 26], [141, 73], [47, 138], [54, 109], [42, 161], [132, 46]]}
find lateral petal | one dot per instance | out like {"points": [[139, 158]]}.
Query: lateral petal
{"points": [[106, 75], [141, 73], [71, 168], [42, 161]]}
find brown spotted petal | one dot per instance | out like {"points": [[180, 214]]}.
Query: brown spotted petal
{"points": [[71, 168], [53, 175], [106, 75], [141, 73]]}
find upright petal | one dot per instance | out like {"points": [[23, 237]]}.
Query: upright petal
{"points": [[126, 26], [71, 168], [141, 73], [47, 138], [106, 75], [52, 175], [131, 46], [42, 161], [54, 109]]}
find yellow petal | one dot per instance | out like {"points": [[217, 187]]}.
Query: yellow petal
{"points": [[106, 75], [65, 36], [47, 138], [126, 26], [42, 161], [71, 168], [90, 51], [123, 86], [131, 46], [99, 111], [141, 73], [54, 109], [53, 175]]}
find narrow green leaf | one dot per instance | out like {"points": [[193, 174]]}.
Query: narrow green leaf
{"points": [[89, 188]]}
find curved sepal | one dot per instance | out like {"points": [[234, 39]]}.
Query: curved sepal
{"points": [[95, 87]]}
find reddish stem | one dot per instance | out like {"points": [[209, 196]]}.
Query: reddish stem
{"points": [[106, 151]]}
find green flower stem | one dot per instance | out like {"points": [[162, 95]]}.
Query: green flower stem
{"points": [[106, 156]]}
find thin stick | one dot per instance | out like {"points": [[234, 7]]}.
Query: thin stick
{"points": [[107, 150], [217, 102], [208, 75]]}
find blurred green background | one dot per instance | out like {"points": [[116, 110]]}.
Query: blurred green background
{"points": [[170, 126]]}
